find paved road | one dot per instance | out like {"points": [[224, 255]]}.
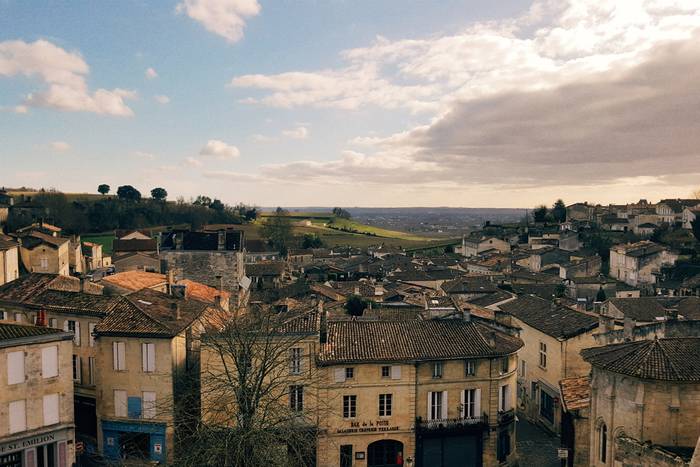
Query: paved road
{"points": [[535, 446]]}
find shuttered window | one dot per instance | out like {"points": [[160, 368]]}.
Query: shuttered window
{"points": [[149, 404], [18, 416], [15, 367], [51, 416], [49, 362], [119, 356], [148, 355], [119, 403]]}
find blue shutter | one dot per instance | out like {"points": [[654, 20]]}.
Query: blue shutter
{"points": [[134, 407]]}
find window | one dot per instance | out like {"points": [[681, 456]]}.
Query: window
{"points": [[2, 315], [91, 334], [77, 370], [346, 455], [15, 367], [50, 409], [471, 403], [385, 405], [437, 369], [295, 361], [119, 403], [437, 405], [543, 355], [119, 356], [19, 317], [18, 416], [547, 406], [44, 263], [533, 389], [149, 404], [74, 327], [91, 371], [603, 443], [469, 367], [349, 373], [53, 323], [504, 365], [395, 372], [504, 398], [49, 362], [386, 371], [296, 398], [148, 357], [523, 369], [349, 406]]}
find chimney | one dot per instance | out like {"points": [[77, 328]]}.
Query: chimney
{"points": [[83, 280], [175, 308], [41, 318], [220, 282], [466, 314], [170, 281]]}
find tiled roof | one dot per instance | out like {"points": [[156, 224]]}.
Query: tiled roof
{"points": [[9, 331], [151, 313], [576, 392], [75, 302], [668, 359], [466, 285], [554, 320], [639, 249], [135, 280], [135, 244], [34, 239], [7, 242], [412, 340], [492, 298], [32, 284], [639, 309]]}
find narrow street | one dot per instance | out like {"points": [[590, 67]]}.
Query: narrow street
{"points": [[536, 447]]}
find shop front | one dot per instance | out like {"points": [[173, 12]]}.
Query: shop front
{"points": [[371, 443], [46, 448], [133, 440]]}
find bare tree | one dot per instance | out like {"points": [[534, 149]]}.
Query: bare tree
{"points": [[259, 393]]}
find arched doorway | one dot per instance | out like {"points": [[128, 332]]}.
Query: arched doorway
{"points": [[385, 453]]}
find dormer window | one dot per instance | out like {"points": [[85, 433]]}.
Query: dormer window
{"points": [[437, 369]]}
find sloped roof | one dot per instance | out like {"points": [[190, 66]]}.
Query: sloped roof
{"points": [[7, 242], [266, 268], [639, 309], [469, 285], [412, 340], [10, 332], [554, 320], [135, 244], [576, 392], [32, 284], [667, 359], [135, 280]]}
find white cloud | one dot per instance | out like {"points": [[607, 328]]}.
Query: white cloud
{"points": [[60, 146], [64, 74], [150, 73], [193, 162], [219, 149], [259, 138], [144, 155], [161, 99], [300, 132], [552, 44], [225, 18]]}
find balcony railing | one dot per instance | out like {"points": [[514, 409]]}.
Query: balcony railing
{"points": [[506, 416], [452, 424]]}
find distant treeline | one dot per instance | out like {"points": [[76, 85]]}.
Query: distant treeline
{"points": [[81, 215]]}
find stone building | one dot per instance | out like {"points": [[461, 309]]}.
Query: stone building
{"points": [[36, 397], [478, 243], [145, 349], [553, 335], [645, 401], [434, 392], [576, 422], [639, 264], [9, 259]]}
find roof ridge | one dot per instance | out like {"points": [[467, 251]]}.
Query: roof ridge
{"points": [[144, 313], [658, 343]]}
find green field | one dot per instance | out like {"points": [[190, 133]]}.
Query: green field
{"points": [[103, 239]]}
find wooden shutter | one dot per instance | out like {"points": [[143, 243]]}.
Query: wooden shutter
{"points": [[462, 402], [149, 404], [76, 339], [119, 403], [115, 356], [395, 372], [340, 375], [18, 416], [51, 416], [91, 331], [443, 415], [62, 454], [15, 367], [430, 406], [144, 357], [477, 403], [49, 361]]}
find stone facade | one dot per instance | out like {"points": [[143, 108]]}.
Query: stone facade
{"points": [[205, 266], [9, 264]]}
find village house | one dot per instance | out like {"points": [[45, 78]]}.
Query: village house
{"points": [[266, 275], [575, 419], [580, 212], [44, 253], [260, 250], [671, 211], [639, 264], [145, 348], [553, 336], [9, 259], [92, 252], [644, 400], [689, 215], [36, 397], [479, 242]]}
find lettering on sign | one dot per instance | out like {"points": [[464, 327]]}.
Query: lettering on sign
{"points": [[26, 443], [371, 426]]}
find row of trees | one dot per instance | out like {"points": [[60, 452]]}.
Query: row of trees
{"points": [[126, 210], [557, 213]]}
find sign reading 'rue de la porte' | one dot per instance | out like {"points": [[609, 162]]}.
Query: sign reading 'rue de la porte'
{"points": [[371, 426]]}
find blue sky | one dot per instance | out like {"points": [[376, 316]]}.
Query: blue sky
{"points": [[372, 103]]}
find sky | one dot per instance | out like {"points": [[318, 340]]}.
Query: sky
{"points": [[373, 103]]}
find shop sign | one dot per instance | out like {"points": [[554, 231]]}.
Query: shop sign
{"points": [[33, 441], [371, 426]]}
